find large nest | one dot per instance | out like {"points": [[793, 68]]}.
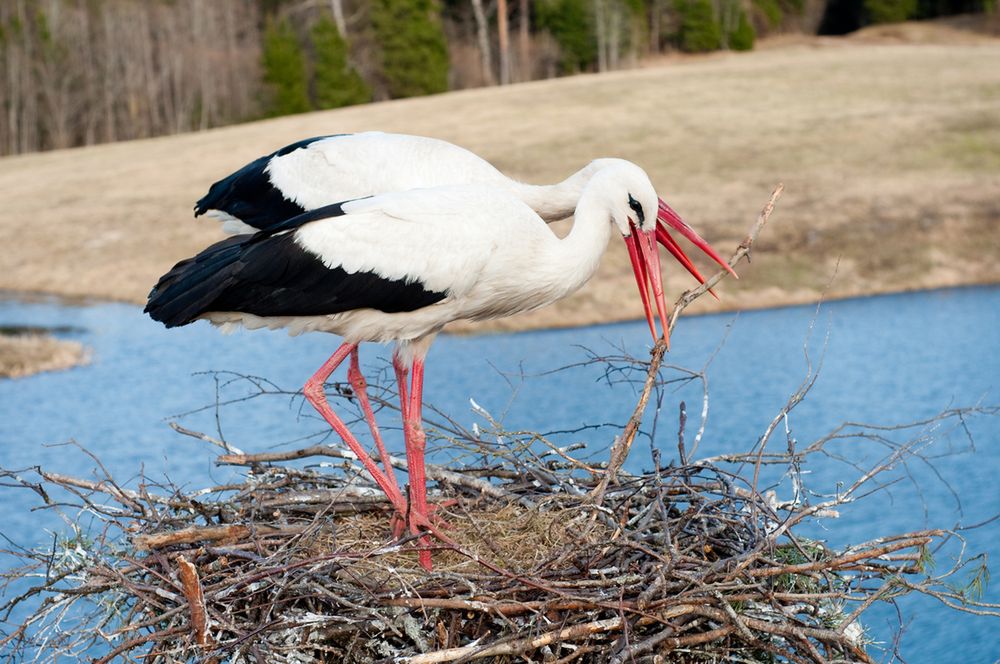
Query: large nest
{"points": [[541, 560], [538, 556]]}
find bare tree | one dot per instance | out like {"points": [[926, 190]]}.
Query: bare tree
{"points": [[75, 73], [483, 37], [600, 13], [524, 40], [504, 39], [337, 7]]}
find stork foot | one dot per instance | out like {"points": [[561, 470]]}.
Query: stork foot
{"points": [[399, 521]]}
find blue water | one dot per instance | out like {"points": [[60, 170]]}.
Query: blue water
{"points": [[885, 360]]}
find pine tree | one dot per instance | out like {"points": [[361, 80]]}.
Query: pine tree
{"points": [[284, 71], [889, 11], [699, 30], [335, 82], [414, 53], [571, 24], [742, 38]]}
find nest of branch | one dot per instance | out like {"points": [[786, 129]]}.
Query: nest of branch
{"points": [[301, 566]]}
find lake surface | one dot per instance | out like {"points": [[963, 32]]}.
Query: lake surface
{"points": [[885, 360]]}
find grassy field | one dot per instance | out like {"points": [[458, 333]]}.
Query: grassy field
{"points": [[889, 152]]}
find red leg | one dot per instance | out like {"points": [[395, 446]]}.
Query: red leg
{"points": [[402, 380], [317, 397], [360, 386], [415, 446]]}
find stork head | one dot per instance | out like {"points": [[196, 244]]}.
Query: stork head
{"points": [[634, 206], [643, 219]]}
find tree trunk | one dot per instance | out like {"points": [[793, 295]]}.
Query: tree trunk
{"points": [[614, 33], [602, 35], [483, 36], [524, 43], [337, 7], [504, 39], [654, 26]]}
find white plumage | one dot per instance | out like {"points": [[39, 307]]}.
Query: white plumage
{"points": [[343, 167], [326, 170]]}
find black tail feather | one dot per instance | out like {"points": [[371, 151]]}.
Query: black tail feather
{"points": [[189, 289]]}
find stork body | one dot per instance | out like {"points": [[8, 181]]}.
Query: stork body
{"points": [[325, 170], [394, 267], [398, 267]]}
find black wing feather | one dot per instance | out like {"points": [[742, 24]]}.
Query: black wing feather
{"points": [[249, 195], [272, 275]]}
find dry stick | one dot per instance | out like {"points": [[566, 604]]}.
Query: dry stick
{"points": [[734, 617], [434, 472], [842, 561], [232, 449], [206, 534], [195, 596], [505, 608], [124, 496], [743, 250], [189, 535], [518, 646], [787, 631], [671, 642], [131, 644], [621, 446]]}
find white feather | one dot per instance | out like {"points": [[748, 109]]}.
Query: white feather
{"points": [[341, 168], [231, 224]]}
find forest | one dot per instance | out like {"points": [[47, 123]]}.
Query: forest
{"points": [[79, 72]]}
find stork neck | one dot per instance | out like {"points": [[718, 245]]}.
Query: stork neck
{"points": [[576, 257], [558, 201]]}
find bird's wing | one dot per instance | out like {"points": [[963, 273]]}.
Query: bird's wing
{"points": [[397, 252], [441, 237], [321, 171], [248, 196]]}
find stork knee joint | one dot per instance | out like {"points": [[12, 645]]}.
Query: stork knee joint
{"points": [[314, 391]]}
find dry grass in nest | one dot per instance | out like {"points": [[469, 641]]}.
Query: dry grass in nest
{"points": [[521, 538]]}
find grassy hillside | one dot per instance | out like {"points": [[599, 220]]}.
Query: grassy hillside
{"points": [[890, 155]]}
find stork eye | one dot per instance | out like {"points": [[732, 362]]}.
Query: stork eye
{"points": [[634, 204]]}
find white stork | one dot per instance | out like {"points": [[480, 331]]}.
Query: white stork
{"points": [[399, 267], [324, 170]]}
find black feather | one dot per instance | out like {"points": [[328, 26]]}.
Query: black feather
{"points": [[272, 275], [249, 195]]}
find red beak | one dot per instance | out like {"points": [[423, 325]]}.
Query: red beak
{"points": [[646, 266], [668, 217]]}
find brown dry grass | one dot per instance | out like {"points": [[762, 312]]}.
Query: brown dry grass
{"points": [[889, 151], [27, 354], [522, 538]]}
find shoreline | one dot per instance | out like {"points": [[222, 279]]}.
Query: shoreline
{"points": [[511, 326]]}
